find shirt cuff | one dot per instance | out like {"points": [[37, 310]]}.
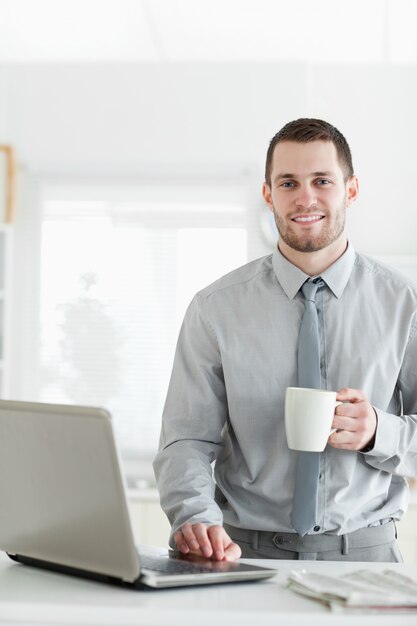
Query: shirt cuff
{"points": [[386, 440]]}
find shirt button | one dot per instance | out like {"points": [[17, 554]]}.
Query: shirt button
{"points": [[316, 529]]}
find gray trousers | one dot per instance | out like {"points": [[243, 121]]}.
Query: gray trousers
{"points": [[376, 543]]}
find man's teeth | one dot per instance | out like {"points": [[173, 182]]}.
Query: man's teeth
{"points": [[312, 218]]}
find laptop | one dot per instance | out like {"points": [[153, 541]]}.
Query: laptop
{"points": [[64, 506]]}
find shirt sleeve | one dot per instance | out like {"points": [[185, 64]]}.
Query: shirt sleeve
{"points": [[395, 449], [193, 418]]}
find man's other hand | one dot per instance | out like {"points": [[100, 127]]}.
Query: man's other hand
{"points": [[355, 420], [211, 542]]}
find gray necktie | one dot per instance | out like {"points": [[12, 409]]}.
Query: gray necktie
{"points": [[304, 511]]}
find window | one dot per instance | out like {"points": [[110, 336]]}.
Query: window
{"points": [[118, 268]]}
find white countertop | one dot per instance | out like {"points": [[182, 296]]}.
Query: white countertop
{"points": [[31, 596]]}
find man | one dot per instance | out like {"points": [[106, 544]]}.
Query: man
{"points": [[237, 354]]}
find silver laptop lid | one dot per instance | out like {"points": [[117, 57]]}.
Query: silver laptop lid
{"points": [[61, 489]]}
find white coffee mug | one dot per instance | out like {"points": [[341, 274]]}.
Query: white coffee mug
{"points": [[308, 418]]}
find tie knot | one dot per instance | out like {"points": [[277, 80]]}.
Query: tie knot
{"points": [[309, 289]]}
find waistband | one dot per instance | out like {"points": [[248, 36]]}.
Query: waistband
{"points": [[362, 538]]}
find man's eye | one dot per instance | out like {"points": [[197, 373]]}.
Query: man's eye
{"points": [[323, 181], [287, 184]]}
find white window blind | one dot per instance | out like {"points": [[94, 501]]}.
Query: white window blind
{"points": [[118, 268]]}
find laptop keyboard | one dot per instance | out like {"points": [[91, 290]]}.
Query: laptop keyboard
{"points": [[173, 566]]}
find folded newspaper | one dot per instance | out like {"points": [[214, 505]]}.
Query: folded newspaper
{"points": [[359, 591]]}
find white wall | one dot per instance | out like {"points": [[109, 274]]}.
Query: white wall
{"points": [[217, 118]]}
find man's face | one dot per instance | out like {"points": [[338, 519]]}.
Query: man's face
{"points": [[308, 195]]}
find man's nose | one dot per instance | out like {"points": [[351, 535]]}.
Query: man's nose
{"points": [[306, 197]]}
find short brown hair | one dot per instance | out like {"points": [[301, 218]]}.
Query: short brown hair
{"points": [[307, 129]]}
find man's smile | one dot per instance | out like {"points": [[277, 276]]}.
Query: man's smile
{"points": [[307, 219]]}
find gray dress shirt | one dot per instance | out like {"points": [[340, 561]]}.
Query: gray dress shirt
{"points": [[236, 355]]}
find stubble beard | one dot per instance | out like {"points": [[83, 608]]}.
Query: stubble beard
{"points": [[306, 243]]}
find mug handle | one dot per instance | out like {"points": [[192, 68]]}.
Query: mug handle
{"points": [[333, 430]]}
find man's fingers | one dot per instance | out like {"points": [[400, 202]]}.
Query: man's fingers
{"points": [[342, 439], [232, 552], [200, 532], [190, 537], [346, 394], [352, 409], [196, 539], [210, 542], [221, 542], [218, 536], [343, 422], [180, 542], [355, 421], [223, 546]]}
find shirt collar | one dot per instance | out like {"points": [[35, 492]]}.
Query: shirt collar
{"points": [[336, 277]]}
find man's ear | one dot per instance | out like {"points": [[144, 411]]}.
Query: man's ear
{"points": [[352, 190], [266, 192]]}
